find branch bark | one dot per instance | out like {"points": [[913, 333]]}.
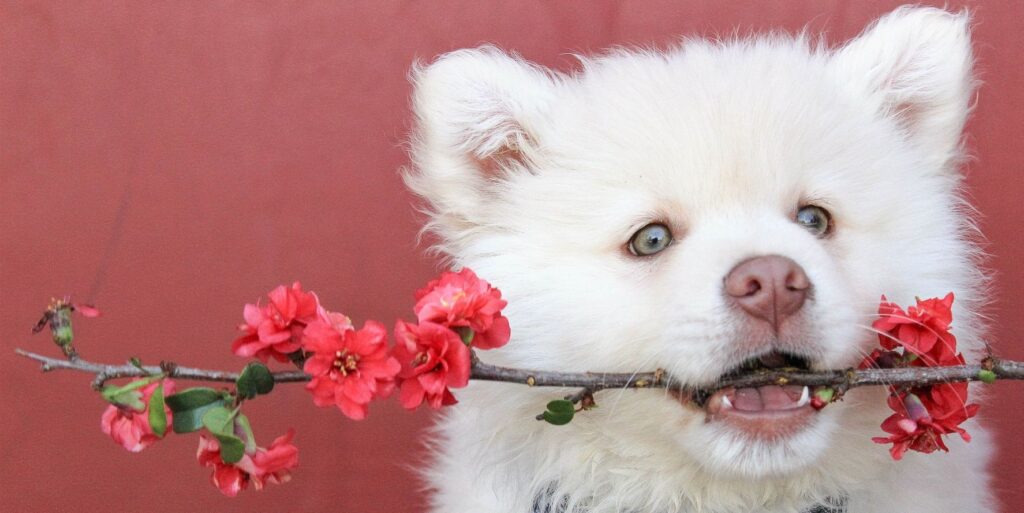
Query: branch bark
{"points": [[106, 372], [590, 381]]}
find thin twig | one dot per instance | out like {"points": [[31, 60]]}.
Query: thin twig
{"points": [[592, 381], [106, 372], [595, 381]]}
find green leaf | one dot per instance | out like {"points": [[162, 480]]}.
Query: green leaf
{"points": [[558, 419], [112, 391], [62, 335], [219, 421], [232, 448], [559, 412], [826, 395], [561, 406], [248, 437], [193, 398], [136, 362], [187, 421], [255, 379], [129, 398], [128, 394], [466, 334], [987, 376], [157, 415]]}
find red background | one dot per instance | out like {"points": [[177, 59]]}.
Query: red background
{"points": [[171, 161]]}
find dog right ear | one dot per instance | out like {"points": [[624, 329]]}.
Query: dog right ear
{"points": [[915, 65], [480, 115]]}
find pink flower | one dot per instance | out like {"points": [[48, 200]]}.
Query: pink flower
{"points": [[129, 427], [349, 368], [921, 420], [433, 359], [273, 464], [340, 322], [275, 330], [922, 329], [228, 478], [276, 462], [86, 310], [461, 300], [922, 414]]}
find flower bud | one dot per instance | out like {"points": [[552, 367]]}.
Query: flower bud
{"points": [[887, 359], [915, 408], [907, 425], [822, 396]]}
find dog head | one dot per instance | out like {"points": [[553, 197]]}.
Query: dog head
{"points": [[716, 205]]}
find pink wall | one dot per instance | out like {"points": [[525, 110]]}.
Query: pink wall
{"points": [[252, 143]]}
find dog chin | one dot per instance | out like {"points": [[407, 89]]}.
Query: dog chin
{"points": [[737, 445]]}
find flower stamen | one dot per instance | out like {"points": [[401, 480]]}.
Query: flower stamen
{"points": [[346, 363]]}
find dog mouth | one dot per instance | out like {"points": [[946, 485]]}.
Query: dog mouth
{"points": [[766, 411], [774, 361]]}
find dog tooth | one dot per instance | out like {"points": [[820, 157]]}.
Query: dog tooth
{"points": [[805, 397], [726, 403]]}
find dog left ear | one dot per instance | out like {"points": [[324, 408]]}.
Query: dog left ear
{"points": [[481, 114], [916, 63]]}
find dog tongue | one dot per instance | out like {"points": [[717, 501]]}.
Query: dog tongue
{"points": [[769, 397]]}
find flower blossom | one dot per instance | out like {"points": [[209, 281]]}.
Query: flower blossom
{"points": [[462, 301], [433, 359], [922, 329], [920, 337], [275, 330], [923, 416], [129, 426], [349, 367], [263, 465]]}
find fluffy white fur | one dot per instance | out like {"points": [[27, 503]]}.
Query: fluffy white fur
{"points": [[538, 179]]}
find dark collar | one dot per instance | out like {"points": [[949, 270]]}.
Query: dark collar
{"points": [[830, 505]]}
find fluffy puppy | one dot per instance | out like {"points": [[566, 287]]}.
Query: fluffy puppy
{"points": [[695, 209]]}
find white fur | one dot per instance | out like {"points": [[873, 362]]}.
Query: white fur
{"points": [[537, 180]]}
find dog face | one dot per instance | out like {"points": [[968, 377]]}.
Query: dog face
{"points": [[719, 205]]}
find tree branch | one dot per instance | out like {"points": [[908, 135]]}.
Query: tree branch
{"points": [[841, 379], [591, 381], [106, 372]]}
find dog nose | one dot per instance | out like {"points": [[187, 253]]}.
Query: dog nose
{"points": [[770, 287]]}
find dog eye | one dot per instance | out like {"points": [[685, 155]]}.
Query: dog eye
{"points": [[816, 219], [650, 239]]}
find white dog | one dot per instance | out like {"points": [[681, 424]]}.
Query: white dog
{"points": [[691, 210]]}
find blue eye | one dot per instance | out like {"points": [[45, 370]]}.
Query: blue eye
{"points": [[650, 239], [815, 219]]}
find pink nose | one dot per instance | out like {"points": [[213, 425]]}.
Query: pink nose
{"points": [[769, 287]]}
